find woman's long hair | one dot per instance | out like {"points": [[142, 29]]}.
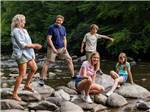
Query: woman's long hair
{"points": [[96, 66], [121, 55], [16, 21]]}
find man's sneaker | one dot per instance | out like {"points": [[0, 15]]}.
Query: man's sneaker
{"points": [[109, 93], [88, 99], [41, 82]]}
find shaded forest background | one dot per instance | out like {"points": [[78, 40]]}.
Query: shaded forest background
{"points": [[127, 22]]}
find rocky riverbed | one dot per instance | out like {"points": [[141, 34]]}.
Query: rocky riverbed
{"points": [[65, 98]]}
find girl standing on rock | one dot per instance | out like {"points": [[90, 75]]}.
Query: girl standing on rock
{"points": [[23, 53], [122, 71], [85, 81]]}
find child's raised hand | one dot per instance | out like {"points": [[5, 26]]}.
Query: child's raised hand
{"points": [[112, 39]]}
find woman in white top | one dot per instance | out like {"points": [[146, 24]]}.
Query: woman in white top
{"points": [[23, 53]]}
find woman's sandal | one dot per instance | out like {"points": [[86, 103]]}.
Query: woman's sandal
{"points": [[28, 89]]}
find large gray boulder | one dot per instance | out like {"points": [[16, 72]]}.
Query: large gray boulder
{"points": [[70, 107], [105, 80], [29, 96], [45, 91], [10, 104], [61, 94], [100, 99], [89, 106], [116, 100], [43, 105], [14, 110], [67, 90], [55, 100], [133, 91], [6, 93]]}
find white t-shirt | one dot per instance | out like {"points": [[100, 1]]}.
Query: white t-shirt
{"points": [[91, 41]]}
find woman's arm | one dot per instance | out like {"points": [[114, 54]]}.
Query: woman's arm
{"points": [[34, 46], [21, 42]]}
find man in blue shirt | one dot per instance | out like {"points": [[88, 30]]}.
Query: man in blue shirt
{"points": [[57, 46]]}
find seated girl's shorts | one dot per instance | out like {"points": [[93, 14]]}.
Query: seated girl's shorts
{"points": [[125, 77], [77, 80]]}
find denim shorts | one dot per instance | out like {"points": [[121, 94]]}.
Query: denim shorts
{"points": [[77, 80], [125, 77]]}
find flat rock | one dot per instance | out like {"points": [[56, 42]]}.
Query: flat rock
{"points": [[115, 100], [43, 105], [67, 90], [61, 94], [133, 91], [10, 104], [70, 107]]}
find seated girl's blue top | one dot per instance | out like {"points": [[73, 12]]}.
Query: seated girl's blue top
{"points": [[121, 71]]}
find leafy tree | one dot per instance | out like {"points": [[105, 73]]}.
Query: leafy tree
{"points": [[125, 21]]}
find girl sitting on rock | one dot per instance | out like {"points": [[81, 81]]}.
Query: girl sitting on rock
{"points": [[85, 81], [122, 71]]}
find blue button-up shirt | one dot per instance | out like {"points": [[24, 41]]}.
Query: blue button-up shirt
{"points": [[20, 38], [58, 34]]}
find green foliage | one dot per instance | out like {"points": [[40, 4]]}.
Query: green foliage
{"points": [[125, 21]]}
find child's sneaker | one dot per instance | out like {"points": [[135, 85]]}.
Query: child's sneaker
{"points": [[109, 93], [88, 99]]}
